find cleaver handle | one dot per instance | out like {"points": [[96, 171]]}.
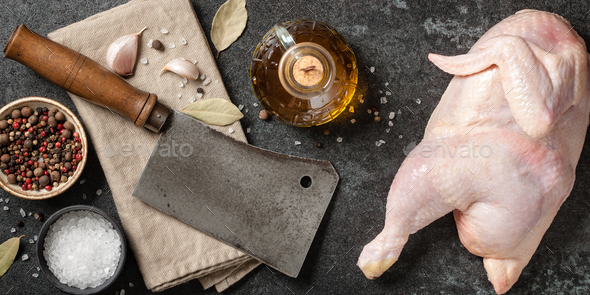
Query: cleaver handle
{"points": [[86, 78]]}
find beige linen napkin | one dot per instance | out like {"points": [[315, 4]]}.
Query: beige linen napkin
{"points": [[168, 251]]}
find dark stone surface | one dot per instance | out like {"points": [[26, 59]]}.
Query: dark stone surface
{"points": [[394, 37]]}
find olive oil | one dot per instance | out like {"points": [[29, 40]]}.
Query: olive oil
{"points": [[309, 83]]}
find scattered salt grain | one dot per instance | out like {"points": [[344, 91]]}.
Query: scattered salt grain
{"points": [[6, 200], [369, 111], [418, 101], [255, 104], [390, 123], [149, 44], [192, 99], [35, 275], [122, 292], [207, 81], [378, 143], [38, 268], [230, 130], [202, 77], [144, 61], [401, 136], [372, 69], [240, 107], [246, 110], [82, 249], [5, 208], [25, 257], [387, 130], [351, 109], [383, 100], [194, 62], [179, 96], [23, 213], [13, 230], [199, 95], [352, 121], [164, 31], [172, 45], [387, 93], [82, 181], [399, 112], [185, 81], [339, 139], [180, 84], [248, 130], [297, 142], [31, 241], [84, 196], [216, 81], [183, 41], [386, 84], [98, 192], [131, 285], [35, 237], [380, 91], [391, 115], [1, 200], [30, 213], [376, 114]]}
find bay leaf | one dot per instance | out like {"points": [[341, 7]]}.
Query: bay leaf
{"points": [[214, 111], [8, 251], [228, 24]]}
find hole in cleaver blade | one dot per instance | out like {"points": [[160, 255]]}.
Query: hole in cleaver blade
{"points": [[265, 204]]}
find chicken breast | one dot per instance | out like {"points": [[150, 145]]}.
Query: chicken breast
{"points": [[499, 151]]}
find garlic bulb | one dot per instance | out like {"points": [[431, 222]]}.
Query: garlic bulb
{"points": [[183, 68], [122, 54]]}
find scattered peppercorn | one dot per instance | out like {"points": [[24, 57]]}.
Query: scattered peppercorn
{"points": [[263, 115], [156, 44], [20, 223], [318, 144], [200, 90]]}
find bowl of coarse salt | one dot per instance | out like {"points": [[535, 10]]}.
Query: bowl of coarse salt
{"points": [[81, 249]]}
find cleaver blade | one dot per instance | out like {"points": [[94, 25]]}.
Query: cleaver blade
{"points": [[265, 204]]}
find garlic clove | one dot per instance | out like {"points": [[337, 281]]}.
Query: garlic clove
{"points": [[183, 68], [122, 54]]}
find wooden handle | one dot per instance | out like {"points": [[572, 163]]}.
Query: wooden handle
{"points": [[84, 77]]}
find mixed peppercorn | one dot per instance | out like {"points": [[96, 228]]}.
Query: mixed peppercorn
{"points": [[40, 148]]}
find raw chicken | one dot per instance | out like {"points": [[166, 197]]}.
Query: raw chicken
{"points": [[500, 149]]}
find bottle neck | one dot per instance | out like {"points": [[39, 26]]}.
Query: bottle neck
{"points": [[306, 70]]}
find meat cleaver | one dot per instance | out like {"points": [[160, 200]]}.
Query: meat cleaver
{"points": [[266, 204]]}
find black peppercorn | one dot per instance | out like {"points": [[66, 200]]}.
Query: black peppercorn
{"points": [[156, 44], [200, 90], [20, 223]]}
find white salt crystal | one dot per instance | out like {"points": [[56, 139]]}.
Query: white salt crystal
{"points": [[202, 77], [383, 100], [372, 69], [98, 192], [82, 181], [230, 130], [82, 249], [192, 99], [194, 62], [172, 45], [246, 110], [149, 44], [216, 81], [352, 121], [144, 61], [13, 230], [376, 114], [183, 41], [179, 95], [381, 141], [5, 208], [180, 84], [387, 93], [122, 292], [399, 112], [25, 257], [30, 213], [207, 81], [23, 213], [6, 200], [377, 143], [35, 275], [35, 237], [131, 285], [401, 136], [185, 80], [369, 111], [248, 130], [380, 91], [391, 115], [240, 107], [199, 95], [418, 101], [387, 130], [84, 197], [386, 84], [339, 139], [31, 241], [297, 142], [351, 109], [164, 31], [1, 200], [390, 123], [38, 268]]}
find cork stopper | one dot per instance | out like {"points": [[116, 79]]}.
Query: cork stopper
{"points": [[308, 71]]}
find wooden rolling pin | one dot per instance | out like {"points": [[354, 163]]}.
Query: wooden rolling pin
{"points": [[86, 78]]}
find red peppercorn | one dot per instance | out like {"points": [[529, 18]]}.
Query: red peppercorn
{"points": [[45, 172], [45, 143], [63, 139], [60, 126], [78, 157], [44, 118], [36, 178], [15, 125], [31, 130], [45, 156], [64, 169], [28, 181], [78, 139], [74, 168], [18, 120], [48, 187], [26, 154], [24, 186], [76, 134], [23, 174], [43, 134], [57, 145], [29, 186], [30, 162], [24, 121], [42, 149], [6, 171]]}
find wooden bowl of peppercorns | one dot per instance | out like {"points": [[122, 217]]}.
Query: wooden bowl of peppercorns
{"points": [[43, 148]]}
